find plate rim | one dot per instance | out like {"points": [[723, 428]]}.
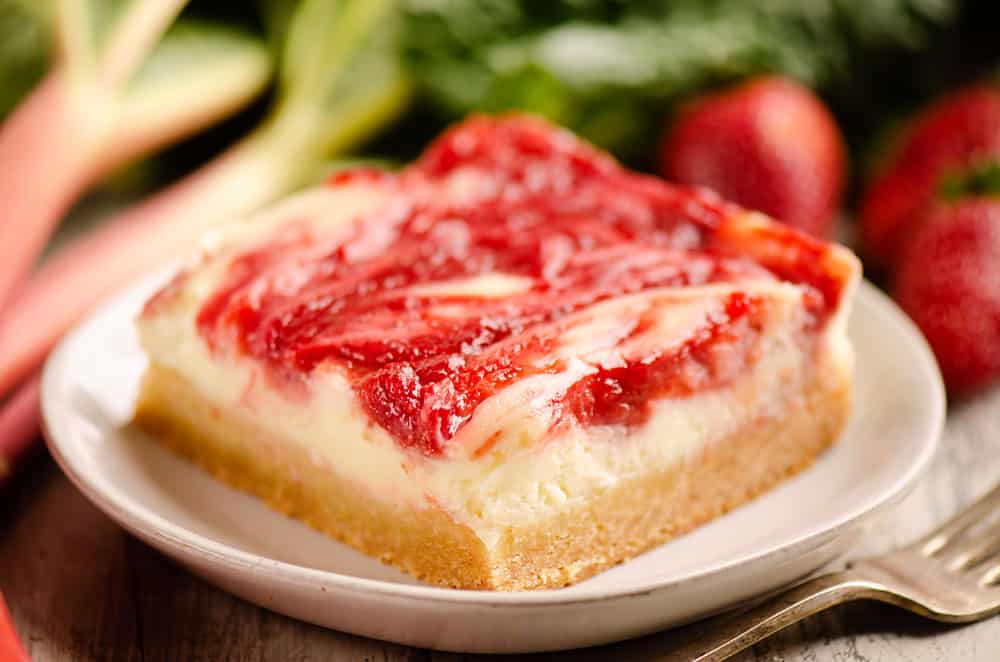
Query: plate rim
{"points": [[149, 525]]}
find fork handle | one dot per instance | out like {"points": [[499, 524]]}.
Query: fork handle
{"points": [[747, 628]]}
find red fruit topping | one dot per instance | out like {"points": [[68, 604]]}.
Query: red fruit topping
{"points": [[622, 394], [549, 209], [948, 281], [956, 135], [769, 144]]}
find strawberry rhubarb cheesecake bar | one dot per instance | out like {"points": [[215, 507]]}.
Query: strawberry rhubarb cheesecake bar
{"points": [[508, 366]]}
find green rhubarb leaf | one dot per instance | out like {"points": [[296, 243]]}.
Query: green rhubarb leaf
{"points": [[276, 16], [609, 68], [319, 36], [24, 48], [103, 17], [194, 49], [372, 88], [982, 180], [111, 37], [120, 85], [198, 73], [341, 75]]}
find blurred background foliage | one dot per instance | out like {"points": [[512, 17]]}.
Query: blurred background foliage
{"points": [[608, 69], [613, 70], [24, 49]]}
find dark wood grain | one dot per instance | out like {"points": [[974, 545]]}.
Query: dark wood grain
{"points": [[79, 588]]}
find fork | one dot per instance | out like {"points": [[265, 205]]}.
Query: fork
{"points": [[950, 575]]}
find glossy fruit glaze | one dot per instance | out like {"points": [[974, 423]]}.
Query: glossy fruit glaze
{"points": [[567, 220]]}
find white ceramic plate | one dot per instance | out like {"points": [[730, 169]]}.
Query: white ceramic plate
{"points": [[232, 540]]}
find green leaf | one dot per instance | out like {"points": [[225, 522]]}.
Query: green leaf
{"points": [[196, 56], [324, 37], [110, 37], [981, 180], [316, 38], [104, 17], [592, 64], [198, 73], [371, 88], [24, 47], [341, 75]]}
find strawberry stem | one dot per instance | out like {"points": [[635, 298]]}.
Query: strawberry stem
{"points": [[980, 180], [11, 649]]}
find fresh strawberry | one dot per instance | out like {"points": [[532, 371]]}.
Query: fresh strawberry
{"points": [[948, 280], [768, 144], [959, 133]]}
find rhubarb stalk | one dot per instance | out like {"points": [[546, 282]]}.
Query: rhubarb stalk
{"points": [[36, 194], [103, 104], [67, 285], [361, 89]]}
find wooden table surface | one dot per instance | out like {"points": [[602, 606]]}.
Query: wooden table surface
{"points": [[79, 588]]}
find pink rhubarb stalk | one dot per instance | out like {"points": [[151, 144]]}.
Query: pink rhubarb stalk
{"points": [[95, 111], [143, 237], [41, 176], [313, 120]]}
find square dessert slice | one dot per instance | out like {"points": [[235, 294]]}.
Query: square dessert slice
{"points": [[509, 366]]}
